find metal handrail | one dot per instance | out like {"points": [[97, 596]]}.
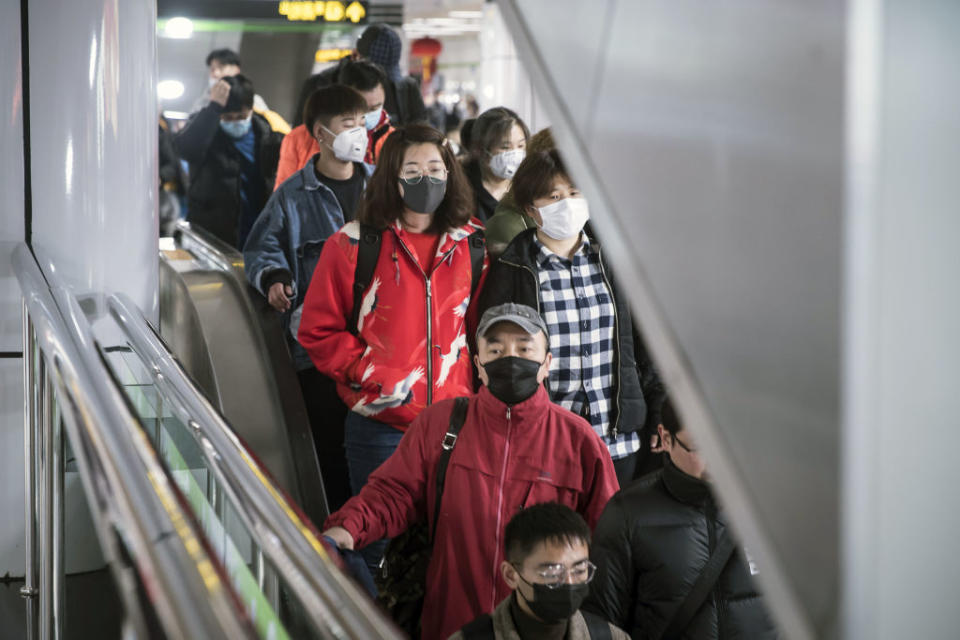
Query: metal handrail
{"points": [[127, 486], [332, 602], [211, 248]]}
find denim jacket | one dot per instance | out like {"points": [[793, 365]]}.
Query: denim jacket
{"points": [[288, 236]]}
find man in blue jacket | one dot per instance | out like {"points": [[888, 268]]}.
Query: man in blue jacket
{"points": [[285, 243]]}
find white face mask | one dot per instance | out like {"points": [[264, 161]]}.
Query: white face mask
{"points": [[505, 164], [350, 145], [564, 219]]}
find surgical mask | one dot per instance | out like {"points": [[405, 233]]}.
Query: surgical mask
{"points": [[556, 604], [236, 129], [505, 164], [564, 219], [425, 196], [512, 380], [371, 119], [350, 145]]}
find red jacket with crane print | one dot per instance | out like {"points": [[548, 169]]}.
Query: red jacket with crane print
{"points": [[411, 350]]}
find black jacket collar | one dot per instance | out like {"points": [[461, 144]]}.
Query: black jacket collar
{"points": [[683, 487]]}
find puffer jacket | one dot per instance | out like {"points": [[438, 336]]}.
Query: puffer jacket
{"points": [[285, 242], [411, 349], [639, 392], [498, 466], [651, 545]]}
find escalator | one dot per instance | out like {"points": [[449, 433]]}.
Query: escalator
{"points": [[201, 537]]}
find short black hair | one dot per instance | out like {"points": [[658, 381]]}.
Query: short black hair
{"points": [[544, 522], [535, 177], [241, 93], [224, 57], [362, 75], [492, 126], [669, 418], [329, 102]]}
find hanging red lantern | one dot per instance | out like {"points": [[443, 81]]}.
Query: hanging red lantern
{"points": [[426, 51]]}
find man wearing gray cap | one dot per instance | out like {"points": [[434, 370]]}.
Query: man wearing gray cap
{"points": [[514, 449]]}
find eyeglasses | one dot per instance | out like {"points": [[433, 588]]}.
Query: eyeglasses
{"points": [[412, 176], [557, 575], [683, 445]]}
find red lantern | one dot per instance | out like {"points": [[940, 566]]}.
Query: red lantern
{"points": [[426, 51]]}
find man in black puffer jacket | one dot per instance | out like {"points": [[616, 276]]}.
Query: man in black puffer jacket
{"points": [[651, 545]]}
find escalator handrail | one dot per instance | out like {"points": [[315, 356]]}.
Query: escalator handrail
{"points": [[127, 487], [331, 601], [219, 253]]}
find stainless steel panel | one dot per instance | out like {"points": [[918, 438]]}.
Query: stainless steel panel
{"points": [[11, 471], [94, 143], [713, 161]]}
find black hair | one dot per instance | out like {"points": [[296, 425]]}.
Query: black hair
{"points": [[535, 177], [669, 418], [329, 102], [241, 93], [362, 75], [224, 57], [544, 522], [491, 127], [466, 132]]}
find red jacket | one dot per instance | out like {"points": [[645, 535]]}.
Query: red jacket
{"points": [[504, 459], [392, 370]]}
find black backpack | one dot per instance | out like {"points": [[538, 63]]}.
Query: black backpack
{"points": [[402, 579], [369, 251]]}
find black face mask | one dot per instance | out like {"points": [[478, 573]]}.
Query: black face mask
{"points": [[512, 379], [556, 605], [425, 196]]}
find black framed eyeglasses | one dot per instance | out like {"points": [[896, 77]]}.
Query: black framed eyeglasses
{"points": [[683, 445]]}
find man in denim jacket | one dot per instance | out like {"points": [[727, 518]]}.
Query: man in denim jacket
{"points": [[285, 243]]}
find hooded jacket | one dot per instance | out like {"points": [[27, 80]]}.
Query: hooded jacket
{"points": [[498, 466], [651, 545], [285, 242], [213, 198], [411, 349], [639, 392]]}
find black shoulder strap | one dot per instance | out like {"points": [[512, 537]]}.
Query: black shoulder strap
{"points": [[367, 254], [479, 629], [478, 242], [701, 588], [457, 417], [597, 627]]}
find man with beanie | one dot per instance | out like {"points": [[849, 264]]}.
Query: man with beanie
{"points": [[382, 46], [515, 449], [548, 566]]}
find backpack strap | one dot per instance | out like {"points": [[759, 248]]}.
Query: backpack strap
{"points": [[701, 588], [457, 417], [367, 254], [478, 243], [479, 629], [597, 627]]}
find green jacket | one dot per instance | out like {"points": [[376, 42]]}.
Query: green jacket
{"points": [[506, 223]]}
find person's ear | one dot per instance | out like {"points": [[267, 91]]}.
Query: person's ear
{"points": [[318, 131], [544, 371], [666, 442], [510, 575], [481, 372]]}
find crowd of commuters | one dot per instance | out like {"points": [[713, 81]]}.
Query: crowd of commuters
{"points": [[468, 361]]}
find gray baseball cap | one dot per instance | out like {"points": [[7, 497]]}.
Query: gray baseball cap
{"points": [[519, 314]]}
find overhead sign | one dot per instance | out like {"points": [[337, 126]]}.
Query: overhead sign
{"points": [[331, 55], [326, 11]]}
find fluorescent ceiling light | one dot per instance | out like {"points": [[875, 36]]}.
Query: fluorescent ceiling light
{"points": [[181, 28], [466, 14], [169, 89]]}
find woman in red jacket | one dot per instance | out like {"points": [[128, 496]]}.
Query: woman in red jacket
{"points": [[410, 346]]}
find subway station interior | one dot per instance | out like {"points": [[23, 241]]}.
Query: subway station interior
{"points": [[774, 185]]}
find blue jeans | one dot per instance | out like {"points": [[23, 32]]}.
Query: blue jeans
{"points": [[368, 444]]}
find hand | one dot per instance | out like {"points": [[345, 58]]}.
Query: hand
{"points": [[279, 296], [341, 536], [220, 92]]}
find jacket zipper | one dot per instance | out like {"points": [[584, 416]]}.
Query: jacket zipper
{"points": [[710, 513], [503, 475], [615, 426]]}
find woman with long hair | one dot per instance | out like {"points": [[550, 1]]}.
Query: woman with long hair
{"points": [[497, 144], [405, 345]]}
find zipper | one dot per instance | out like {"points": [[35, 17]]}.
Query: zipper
{"points": [[503, 475], [710, 512], [429, 345], [615, 427]]}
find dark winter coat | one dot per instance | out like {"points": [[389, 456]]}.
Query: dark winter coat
{"points": [[514, 278], [486, 204], [213, 199], [652, 542]]}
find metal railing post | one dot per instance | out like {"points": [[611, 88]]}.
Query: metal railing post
{"points": [[30, 453], [45, 477], [58, 581]]}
